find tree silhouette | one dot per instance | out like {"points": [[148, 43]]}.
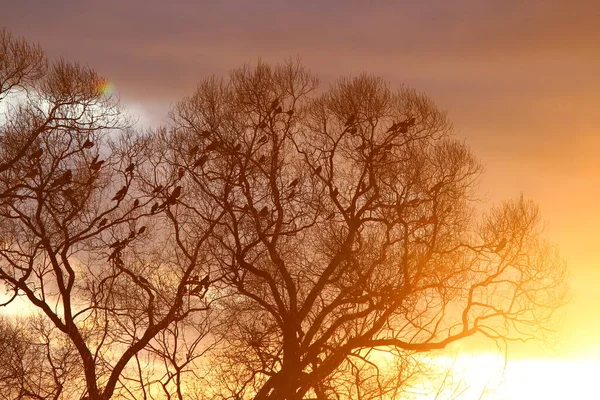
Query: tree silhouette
{"points": [[346, 225], [74, 225], [271, 241]]}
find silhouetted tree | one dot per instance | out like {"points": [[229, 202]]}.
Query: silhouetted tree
{"points": [[76, 240], [346, 224], [270, 242]]}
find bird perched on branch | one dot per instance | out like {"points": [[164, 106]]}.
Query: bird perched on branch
{"points": [[130, 168], [31, 174], [193, 151], [436, 188], [501, 245], [200, 285], [274, 104], [36, 154], [88, 144], [176, 192], [263, 139], [212, 146], [174, 195], [96, 164], [121, 193], [294, 183], [157, 189], [351, 120], [64, 179], [201, 161]]}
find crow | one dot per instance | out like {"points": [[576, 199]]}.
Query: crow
{"points": [[351, 119], [69, 194], [205, 281], [263, 139], [213, 145], [64, 179], [193, 151], [176, 193], [318, 170], [294, 183], [31, 174], [501, 245], [263, 212], [130, 168], [136, 203], [394, 126], [436, 188], [88, 144], [36, 154], [154, 208], [121, 193], [141, 230], [201, 161], [180, 173], [157, 189], [103, 222], [96, 164]]}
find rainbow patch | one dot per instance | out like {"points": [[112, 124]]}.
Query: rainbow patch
{"points": [[106, 88]]}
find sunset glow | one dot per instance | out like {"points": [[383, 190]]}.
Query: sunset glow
{"points": [[277, 177], [520, 379]]}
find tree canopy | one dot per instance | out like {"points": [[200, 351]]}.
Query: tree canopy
{"points": [[270, 241]]}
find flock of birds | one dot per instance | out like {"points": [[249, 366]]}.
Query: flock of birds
{"points": [[66, 178]]}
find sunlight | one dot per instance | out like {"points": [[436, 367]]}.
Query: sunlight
{"points": [[483, 376]]}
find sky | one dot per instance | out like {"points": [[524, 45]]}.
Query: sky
{"points": [[519, 80]]}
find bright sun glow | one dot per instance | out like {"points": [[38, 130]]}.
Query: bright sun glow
{"points": [[484, 376]]}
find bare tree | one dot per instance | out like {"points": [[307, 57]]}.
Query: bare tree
{"points": [[37, 363], [346, 223], [270, 242], [76, 240]]}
